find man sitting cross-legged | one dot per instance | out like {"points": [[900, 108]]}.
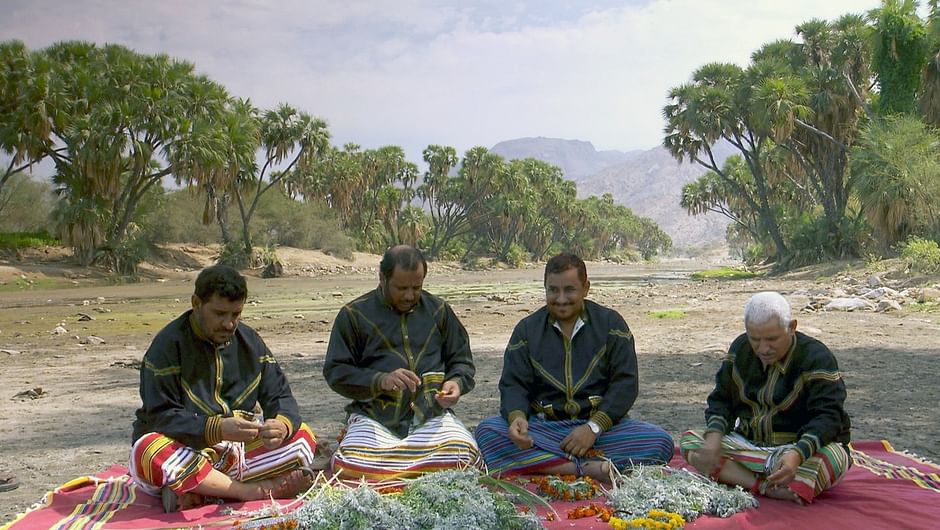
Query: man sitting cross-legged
{"points": [[569, 378], [403, 358], [775, 420], [202, 380]]}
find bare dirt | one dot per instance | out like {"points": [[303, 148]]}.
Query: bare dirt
{"points": [[78, 417]]}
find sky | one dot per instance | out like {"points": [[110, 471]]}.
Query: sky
{"points": [[458, 73]]}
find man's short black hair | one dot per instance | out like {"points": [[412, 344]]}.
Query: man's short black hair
{"points": [[564, 261], [404, 256], [223, 281]]}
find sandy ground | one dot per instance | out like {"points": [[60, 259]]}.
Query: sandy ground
{"points": [[79, 419]]}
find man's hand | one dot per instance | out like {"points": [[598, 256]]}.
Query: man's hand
{"points": [[579, 441], [399, 380], [786, 468], [273, 433], [449, 394], [519, 433], [237, 429], [708, 456]]}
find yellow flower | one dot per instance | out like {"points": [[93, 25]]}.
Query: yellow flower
{"points": [[617, 523], [655, 520]]}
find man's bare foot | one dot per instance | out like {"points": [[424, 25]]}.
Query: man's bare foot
{"points": [[285, 486], [598, 470], [784, 493], [174, 502], [322, 456], [190, 500]]}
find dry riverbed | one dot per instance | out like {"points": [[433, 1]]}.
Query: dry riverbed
{"points": [[70, 395]]}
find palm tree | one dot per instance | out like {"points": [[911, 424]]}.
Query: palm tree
{"points": [[929, 100], [115, 123], [23, 122], [441, 160], [901, 46], [717, 105], [413, 226], [291, 141], [896, 163]]}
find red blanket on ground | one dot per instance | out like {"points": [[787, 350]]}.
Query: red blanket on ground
{"points": [[885, 489]]}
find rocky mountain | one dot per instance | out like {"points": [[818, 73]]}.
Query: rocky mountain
{"points": [[648, 182], [576, 158]]}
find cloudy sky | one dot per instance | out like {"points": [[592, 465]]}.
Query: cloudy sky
{"points": [[460, 73]]}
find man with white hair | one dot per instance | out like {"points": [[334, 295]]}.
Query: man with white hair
{"points": [[775, 422]]}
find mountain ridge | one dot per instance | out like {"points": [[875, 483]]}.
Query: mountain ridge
{"points": [[649, 182]]}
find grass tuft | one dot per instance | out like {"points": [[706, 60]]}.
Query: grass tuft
{"points": [[668, 313]]}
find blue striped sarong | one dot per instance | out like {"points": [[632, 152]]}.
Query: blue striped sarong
{"points": [[627, 443]]}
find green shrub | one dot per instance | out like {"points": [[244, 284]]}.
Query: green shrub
{"points": [[25, 205], [921, 255], [286, 222], [13, 240], [233, 255], [454, 250], [754, 253], [516, 255], [124, 258], [813, 239], [332, 240], [176, 217]]}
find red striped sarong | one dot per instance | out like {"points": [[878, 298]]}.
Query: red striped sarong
{"points": [[817, 474], [156, 460]]}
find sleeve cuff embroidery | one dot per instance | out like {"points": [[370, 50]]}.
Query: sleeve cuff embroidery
{"points": [[213, 432], [807, 446], [716, 424], [286, 421], [601, 418], [377, 383]]}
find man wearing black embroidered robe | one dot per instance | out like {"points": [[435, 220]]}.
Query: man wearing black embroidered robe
{"points": [[403, 358], [569, 380]]}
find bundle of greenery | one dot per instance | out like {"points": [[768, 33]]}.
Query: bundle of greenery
{"points": [[678, 491], [453, 499]]}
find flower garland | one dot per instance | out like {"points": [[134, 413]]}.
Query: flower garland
{"points": [[654, 520], [566, 487], [591, 510]]}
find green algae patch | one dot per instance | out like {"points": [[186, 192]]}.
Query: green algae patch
{"points": [[668, 314], [723, 273]]}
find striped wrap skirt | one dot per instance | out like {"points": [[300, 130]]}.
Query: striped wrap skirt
{"points": [[370, 451], [628, 442], [157, 461], [815, 475]]}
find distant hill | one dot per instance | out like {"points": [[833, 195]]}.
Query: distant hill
{"points": [[576, 158], [648, 182]]}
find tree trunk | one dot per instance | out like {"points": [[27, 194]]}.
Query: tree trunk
{"points": [[220, 205]]}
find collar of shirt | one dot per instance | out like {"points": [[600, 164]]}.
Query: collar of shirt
{"points": [[784, 364], [580, 323]]}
